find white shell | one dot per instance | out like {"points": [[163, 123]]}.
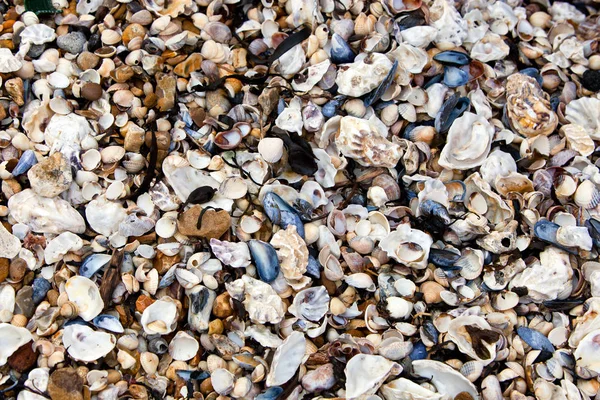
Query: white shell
{"points": [[61, 245], [451, 27], [223, 381], [104, 216], [408, 246], [287, 359], [160, 317], [85, 344], [497, 164], [404, 389], [38, 34], [8, 62], [468, 144], [363, 75], [12, 338], [445, 379], [365, 373], [291, 251], [458, 334], [587, 353], [365, 141], [271, 149], [183, 347], [311, 304], [9, 244], [261, 301], [586, 113], [548, 279], [490, 48], [236, 255], [85, 294], [43, 214]]}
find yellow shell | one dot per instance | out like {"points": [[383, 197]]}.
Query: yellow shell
{"points": [[19, 320]]}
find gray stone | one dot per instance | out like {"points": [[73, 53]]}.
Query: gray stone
{"points": [[72, 42]]}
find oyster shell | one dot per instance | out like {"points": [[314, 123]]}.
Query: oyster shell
{"points": [[363, 75], [311, 304], [468, 144], [365, 141], [445, 379], [547, 279], [527, 108], [13, 338], [261, 301], [45, 215], [291, 251], [85, 344], [365, 373], [287, 359]]}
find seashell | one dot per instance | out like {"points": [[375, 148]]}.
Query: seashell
{"points": [[465, 151], [37, 34], [444, 378], [311, 304], [363, 75], [69, 310], [271, 149], [554, 261], [472, 370], [530, 117], [85, 295], [93, 264], [201, 300], [404, 389], [408, 246], [14, 338], [215, 52], [586, 352], [455, 77], [108, 322], [260, 300], [183, 347], [85, 344], [491, 47], [535, 339], [291, 251], [340, 52], [281, 213], [224, 381], [365, 141], [452, 57], [160, 317], [8, 62], [365, 373], [451, 27], [149, 362], [235, 255], [287, 359], [265, 259], [587, 195], [584, 112]]}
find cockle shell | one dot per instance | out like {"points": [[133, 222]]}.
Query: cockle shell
{"points": [[85, 294], [85, 344], [365, 141], [585, 112], [468, 143], [527, 108], [183, 346], [13, 338], [408, 246], [363, 75]]}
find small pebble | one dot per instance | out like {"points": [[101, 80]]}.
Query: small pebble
{"points": [[72, 42]]}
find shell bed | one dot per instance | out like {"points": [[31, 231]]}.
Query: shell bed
{"points": [[299, 199]]}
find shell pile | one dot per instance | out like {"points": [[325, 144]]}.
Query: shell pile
{"points": [[300, 199]]}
